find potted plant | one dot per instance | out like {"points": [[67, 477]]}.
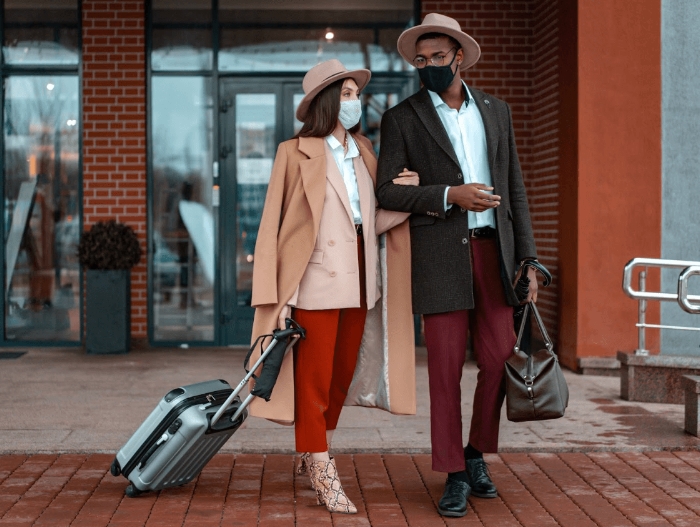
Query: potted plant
{"points": [[108, 250]]}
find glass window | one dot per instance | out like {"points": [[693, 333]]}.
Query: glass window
{"points": [[181, 49], [294, 50], [300, 49], [41, 208], [41, 33], [186, 47], [181, 11], [360, 33], [182, 209], [283, 12]]}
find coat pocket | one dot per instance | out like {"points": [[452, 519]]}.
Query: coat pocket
{"points": [[316, 257], [417, 220]]}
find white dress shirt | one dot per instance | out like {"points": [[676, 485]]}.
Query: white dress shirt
{"points": [[465, 128], [347, 170]]}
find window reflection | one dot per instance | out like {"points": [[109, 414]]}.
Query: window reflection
{"points": [[42, 208], [292, 37], [181, 11], [298, 50], [41, 33], [255, 153], [280, 12], [183, 221], [178, 49]]}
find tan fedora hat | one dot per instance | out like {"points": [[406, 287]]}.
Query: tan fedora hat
{"points": [[437, 23], [324, 74]]}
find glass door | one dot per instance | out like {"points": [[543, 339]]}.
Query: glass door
{"points": [[256, 115], [41, 209]]}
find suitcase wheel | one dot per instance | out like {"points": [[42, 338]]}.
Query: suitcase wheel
{"points": [[115, 469], [133, 492]]}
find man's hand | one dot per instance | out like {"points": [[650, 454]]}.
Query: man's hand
{"points": [[471, 196], [285, 313], [532, 292], [407, 177]]}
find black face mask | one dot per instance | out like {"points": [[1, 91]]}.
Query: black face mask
{"points": [[437, 78]]}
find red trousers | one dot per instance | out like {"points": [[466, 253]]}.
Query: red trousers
{"points": [[324, 364], [493, 337]]}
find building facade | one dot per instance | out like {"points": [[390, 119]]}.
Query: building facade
{"points": [[166, 114]]}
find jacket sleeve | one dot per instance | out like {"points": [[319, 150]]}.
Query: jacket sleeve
{"points": [[265, 266], [522, 226], [386, 220], [393, 158]]}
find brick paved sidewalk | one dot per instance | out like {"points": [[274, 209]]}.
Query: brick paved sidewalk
{"points": [[570, 490]]}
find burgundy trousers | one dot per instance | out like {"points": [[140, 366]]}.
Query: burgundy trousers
{"points": [[493, 337]]}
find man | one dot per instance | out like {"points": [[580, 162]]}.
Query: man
{"points": [[470, 231]]}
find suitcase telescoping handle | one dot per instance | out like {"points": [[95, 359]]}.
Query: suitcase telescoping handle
{"points": [[290, 335]]}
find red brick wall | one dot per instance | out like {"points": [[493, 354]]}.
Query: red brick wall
{"points": [[114, 127], [542, 176], [519, 53]]}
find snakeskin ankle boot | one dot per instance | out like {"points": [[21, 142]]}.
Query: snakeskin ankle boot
{"points": [[329, 491]]}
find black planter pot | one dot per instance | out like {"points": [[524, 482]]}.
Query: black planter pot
{"points": [[108, 328]]}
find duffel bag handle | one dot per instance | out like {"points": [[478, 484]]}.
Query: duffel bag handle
{"points": [[547, 341]]}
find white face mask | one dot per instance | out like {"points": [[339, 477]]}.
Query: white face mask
{"points": [[350, 113]]}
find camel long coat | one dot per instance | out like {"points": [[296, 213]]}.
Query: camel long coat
{"points": [[289, 229]]}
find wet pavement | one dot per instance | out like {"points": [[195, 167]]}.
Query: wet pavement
{"points": [[63, 401], [608, 462]]}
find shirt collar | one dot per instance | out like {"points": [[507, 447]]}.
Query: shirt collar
{"points": [[335, 145], [437, 100]]}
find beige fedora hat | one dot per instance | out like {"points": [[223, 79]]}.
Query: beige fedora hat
{"points": [[324, 74], [437, 23]]}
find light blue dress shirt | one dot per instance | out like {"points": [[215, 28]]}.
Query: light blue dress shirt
{"points": [[465, 128], [344, 161]]}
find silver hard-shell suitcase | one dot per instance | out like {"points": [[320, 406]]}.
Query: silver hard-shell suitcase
{"points": [[192, 423]]}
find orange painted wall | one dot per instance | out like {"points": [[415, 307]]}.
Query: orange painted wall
{"points": [[612, 173]]}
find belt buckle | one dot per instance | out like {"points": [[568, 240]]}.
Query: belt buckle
{"points": [[473, 233]]}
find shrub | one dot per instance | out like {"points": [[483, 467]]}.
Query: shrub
{"points": [[109, 245]]}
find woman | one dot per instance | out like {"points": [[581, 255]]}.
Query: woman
{"points": [[317, 258]]}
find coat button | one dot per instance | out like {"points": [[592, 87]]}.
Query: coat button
{"points": [[462, 209], [331, 242], [459, 176], [465, 241], [333, 273]]}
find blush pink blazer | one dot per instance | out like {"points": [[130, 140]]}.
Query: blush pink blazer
{"points": [[330, 280]]}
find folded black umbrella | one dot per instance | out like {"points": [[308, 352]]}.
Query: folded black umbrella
{"points": [[272, 357], [522, 287]]}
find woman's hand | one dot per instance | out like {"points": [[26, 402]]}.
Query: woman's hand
{"points": [[407, 177], [285, 313]]}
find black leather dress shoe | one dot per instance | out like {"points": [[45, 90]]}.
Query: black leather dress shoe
{"points": [[480, 479], [454, 499]]}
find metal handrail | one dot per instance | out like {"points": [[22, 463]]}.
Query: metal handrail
{"points": [[685, 300], [655, 262]]}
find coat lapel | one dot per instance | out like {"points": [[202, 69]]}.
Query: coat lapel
{"points": [[312, 174], [365, 187], [336, 180], [370, 159], [423, 105], [490, 125]]}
